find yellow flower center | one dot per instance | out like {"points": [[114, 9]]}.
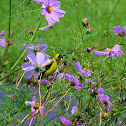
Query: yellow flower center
{"points": [[49, 9], [36, 106], [109, 50]]}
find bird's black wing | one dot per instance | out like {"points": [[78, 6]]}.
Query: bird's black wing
{"points": [[47, 67]]}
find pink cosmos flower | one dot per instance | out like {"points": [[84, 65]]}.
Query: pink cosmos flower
{"points": [[2, 41], [52, 12], [65, 121], [114, 51], [35, 108]]}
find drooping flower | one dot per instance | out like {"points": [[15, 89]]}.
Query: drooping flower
{"points": [[119, 30], [65, 121], [36, 65], [74, 81], [35, 108], [114, 51], [52, 12], [2, 41], [84, 72], [46, 27]]}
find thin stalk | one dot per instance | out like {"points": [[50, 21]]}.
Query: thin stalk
{"points": [[26, 47], [110, 19]]}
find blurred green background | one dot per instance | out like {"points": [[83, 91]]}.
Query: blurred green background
{"points": [[59, 39]]}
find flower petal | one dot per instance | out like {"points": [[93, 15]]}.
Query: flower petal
{"points": [[27, 66], [65, 121]]}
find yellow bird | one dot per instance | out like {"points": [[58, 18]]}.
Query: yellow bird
{"points": [[51, 66]]}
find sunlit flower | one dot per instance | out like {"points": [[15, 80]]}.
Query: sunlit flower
{"points": [[2, 41], [35, 108], [65, 121], [114, 51], [119, 30], [74, 81], [36, 65], [52, 12], [84, 72]]}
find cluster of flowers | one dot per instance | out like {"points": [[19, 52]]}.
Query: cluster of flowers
{"points": [[52, 12]]}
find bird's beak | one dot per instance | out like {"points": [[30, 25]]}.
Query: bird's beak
{"points": [[61, 59]]}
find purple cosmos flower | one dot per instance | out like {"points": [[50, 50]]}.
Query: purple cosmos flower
{"points": [[103, 98], [74, 81], [96, 92], [101, 91], [2, 41], [38, 48], [114, 51], [65, 121], [35, 108], [89, 80], [37, 63], [84, 72], [46, 27], [119, 30], [52, 12]]}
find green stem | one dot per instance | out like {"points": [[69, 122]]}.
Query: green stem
{"points": [[26, 47]]}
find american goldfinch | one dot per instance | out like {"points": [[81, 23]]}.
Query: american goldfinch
{"points": [[51, 66]]}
